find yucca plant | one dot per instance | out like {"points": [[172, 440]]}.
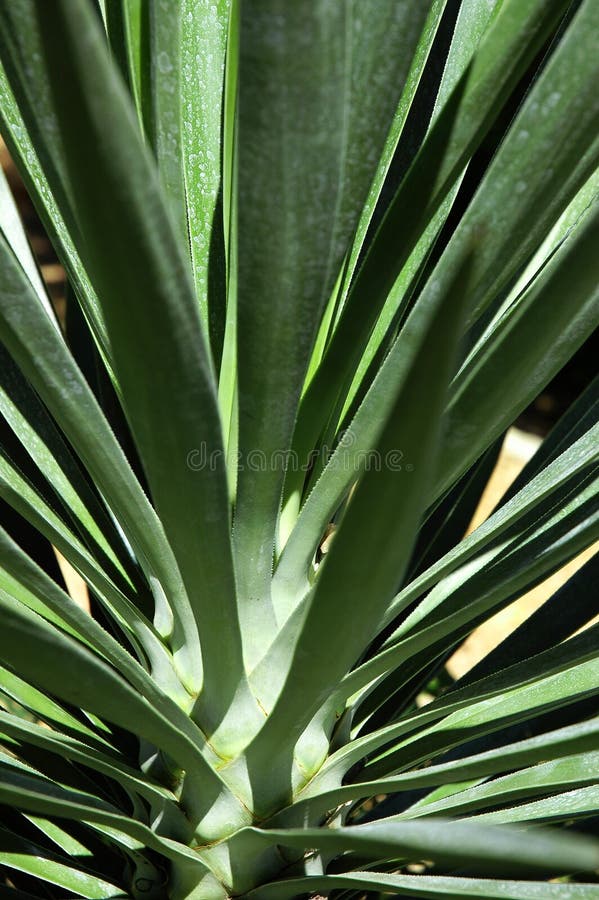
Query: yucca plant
{"points": [[320, 255]]}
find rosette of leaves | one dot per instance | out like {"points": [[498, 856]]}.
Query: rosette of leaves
{"points": [[320, 255]]}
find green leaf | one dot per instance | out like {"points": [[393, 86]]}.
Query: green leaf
{"points": [[147, 297], [547, 681], [43, 796], [188, 44], [20, 494], [569, 220], [392, 56], [127, 23], [507, 526], [203, 48], [460, 602], [47, 709], [473, 19], [290, 581], [71, 749], [424, 886], [552, 679], [546, 778], [23, 856], [43, 442], [507, 49], [38, 154], [515, 171], [582, 802], [35, 343], [357, 450], [24, 581], [8, 893], [489, 581], [445, 841], [316, 800], [89, 683], [512, 366], [61, 838], [397, 498], [12, 230], [164, 22], [294, 69], [477, 411], [330, 77]]}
